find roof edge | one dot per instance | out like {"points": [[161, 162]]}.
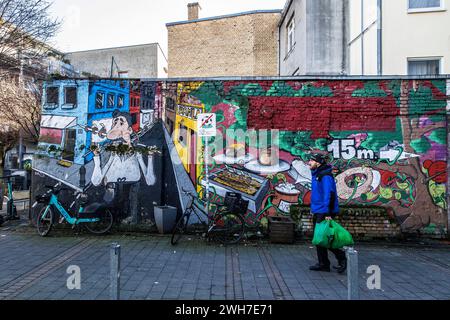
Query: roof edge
{"points": [[274, 78], [121, 47], [223, 16]]}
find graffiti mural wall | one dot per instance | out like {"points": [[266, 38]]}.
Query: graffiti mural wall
{"points": [[386, 139], [94, 133]]}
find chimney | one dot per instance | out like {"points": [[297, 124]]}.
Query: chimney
{"points": [[193, 10]]}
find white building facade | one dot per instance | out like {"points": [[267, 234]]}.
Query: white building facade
{"points": [[399, 37]]}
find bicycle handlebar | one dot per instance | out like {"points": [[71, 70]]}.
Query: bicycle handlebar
{"points": [[57, 187], [9, 177]]}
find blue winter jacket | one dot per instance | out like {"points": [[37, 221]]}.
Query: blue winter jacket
{"points": [[324, 198]]}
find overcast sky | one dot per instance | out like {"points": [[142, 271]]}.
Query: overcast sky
{"points": [[93, 24]]}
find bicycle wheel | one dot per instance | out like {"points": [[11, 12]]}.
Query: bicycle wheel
{"points": [[44, 224], [103, 225], [228, 228], [180, 229]]}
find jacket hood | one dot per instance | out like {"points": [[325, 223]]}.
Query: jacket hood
{"points": [[325, 169]]}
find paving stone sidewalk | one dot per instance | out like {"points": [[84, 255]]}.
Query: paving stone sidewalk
{"points": [[33, 268]]}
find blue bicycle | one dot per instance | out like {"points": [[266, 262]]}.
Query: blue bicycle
{"points": [[11, 210], [97, 217]]}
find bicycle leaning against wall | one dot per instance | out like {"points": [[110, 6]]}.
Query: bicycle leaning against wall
{"points": [[225, 226], [96, 217]]}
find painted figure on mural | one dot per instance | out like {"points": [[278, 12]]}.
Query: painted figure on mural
{"points": [[122, 168]]}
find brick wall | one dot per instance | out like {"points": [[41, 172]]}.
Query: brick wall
{"points": [[245, 44], [362, 223]]}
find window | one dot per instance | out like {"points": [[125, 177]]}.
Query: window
{"points": [[70, 137], [417, 67], [421, 5], [99, 98], [52, 96], [291, 34], [182, 138], [134, 119], [120, 101], [110, 100], [170, 103], [70, 97]]}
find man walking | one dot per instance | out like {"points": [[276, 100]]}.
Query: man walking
{"points": [[324, 206]]}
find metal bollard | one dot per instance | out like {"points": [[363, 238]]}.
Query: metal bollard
{"points": [[115, 272], [352, 274]]}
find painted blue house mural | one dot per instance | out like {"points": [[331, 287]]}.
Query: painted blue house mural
{"points": [[105, 96], [64, 117], [77, 114]]}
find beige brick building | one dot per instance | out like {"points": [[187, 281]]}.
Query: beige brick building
{"points": [[242, 44]]}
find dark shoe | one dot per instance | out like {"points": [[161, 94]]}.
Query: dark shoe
{"points": [[341, 267], [319, 267]]}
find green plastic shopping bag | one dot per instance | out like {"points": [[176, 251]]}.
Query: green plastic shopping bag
{"points": [[342, 237], [323, 234]]}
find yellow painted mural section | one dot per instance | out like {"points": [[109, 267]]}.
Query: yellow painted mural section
{"points": [[187, 111]]}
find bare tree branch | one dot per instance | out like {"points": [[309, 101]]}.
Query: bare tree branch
{"points": [[20, 108], [25, 27]]}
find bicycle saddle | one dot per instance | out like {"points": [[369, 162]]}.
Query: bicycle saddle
{"points": [[57, 190]]}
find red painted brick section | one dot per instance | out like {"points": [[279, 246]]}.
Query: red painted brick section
{"points": [[322, 114]]}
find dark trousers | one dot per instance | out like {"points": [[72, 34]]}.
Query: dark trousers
{"points": [[322, 253]]}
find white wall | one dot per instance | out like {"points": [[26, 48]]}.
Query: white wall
{"points": [[414, 35], [368, 39]]}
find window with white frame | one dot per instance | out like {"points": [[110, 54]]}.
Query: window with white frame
{"points": [[424, 67], [419, 5], [291, 34]]}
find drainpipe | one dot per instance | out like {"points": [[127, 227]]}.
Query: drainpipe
{"points": [[362, 37], [345, 65], [112, 66], [380, 37], [279, 50]]}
